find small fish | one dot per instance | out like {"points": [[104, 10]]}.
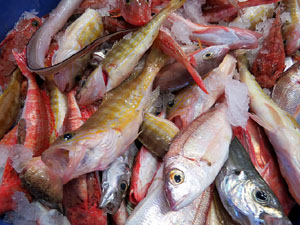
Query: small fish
{"points": [[109, 131], [281, 128], [143, 172], [136, 12], [79, 34], [190, 102], [174, 77], [10, 103], [286, 91], [115, 181], [272, 51], [196, 156], [124, 56], [155, 210], [243, 192], [157, 134]]}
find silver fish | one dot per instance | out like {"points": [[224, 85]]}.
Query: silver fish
{"points": [[244, 193], [115, 181]]}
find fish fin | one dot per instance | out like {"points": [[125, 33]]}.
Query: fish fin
{"points": [[197, 78], [261, 122]]}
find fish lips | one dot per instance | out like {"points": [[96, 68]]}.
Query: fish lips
{"points": [[109, 204]]}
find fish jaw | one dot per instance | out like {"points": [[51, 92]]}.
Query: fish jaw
{"points": [[74, 158]]}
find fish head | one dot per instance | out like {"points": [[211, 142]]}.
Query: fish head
{"points": [[115, 182], [210, 57], [181, 185], [81, 151], [136, 12]]}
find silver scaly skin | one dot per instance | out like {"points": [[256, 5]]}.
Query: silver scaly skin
{"points": [[244, 193]]}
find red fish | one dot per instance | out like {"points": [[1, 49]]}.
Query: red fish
{"points": [[17, 40], [262, 156], [81, 199], [87, 111], [269, 63]]}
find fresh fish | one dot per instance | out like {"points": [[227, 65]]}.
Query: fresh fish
{"points": [[286, 91], [196, 156], [115, 181], [121, 215], [124, 56], [191, 102], [281, 128], [10, 103], [291, 28], [272, 51], [17, 40], [109, 131], [83, 31], [243, 192], [143, 172], [155, 210], [262, 156], [174, 77], [171, 48], [81, 199], [156, 134]]}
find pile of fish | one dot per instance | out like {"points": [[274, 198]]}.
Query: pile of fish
{"points": [[151, 112]]}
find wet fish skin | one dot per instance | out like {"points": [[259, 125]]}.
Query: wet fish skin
{"points": [[108, 132], [243, 192], [195, 157], [115, 181]]}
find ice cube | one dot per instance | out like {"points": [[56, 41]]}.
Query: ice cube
{"points": [[193, 11], [19, 155], [236, 94], [181, 32]]}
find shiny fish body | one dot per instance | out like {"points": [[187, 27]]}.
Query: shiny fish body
{"points": [[109, 131], [243, 192], [191, 102], [115, 181], [79, 34], [125, 54], [157, 134], [286, 91], [10, 103], [281, 128], [195, 157]]}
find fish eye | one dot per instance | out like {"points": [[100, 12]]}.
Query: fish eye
{"points": [[208, 55], [261, 196], [123, 186], [147, 1], [68, 136], [35, 23], [176, 177], [127, 1], [171, 103]]}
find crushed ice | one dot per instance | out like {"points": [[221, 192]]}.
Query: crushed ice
{"points": [[181, 32], [193, 11]]}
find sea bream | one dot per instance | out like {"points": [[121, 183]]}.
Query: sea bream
{"points": [[243, 192], [196, 156], [109, 131]]}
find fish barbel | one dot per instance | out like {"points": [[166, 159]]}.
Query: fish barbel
{"points": [[195, 157], [281, 128], [109, 131], [243, 192]]}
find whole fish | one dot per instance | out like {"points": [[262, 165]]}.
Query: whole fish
{"points": [[286, 91], [191, 102], [157, 134], [196, 156], [243, 192], [109, 131], [115, 181], [174, 77], [262, 156], [143, 172], [155, 210], [281, 128], [79, 34], [124, 56], [10, 103]]}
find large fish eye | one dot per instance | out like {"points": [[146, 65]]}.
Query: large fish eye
{"points": [[68, 136], [260, 196], [176, 177], [208, 55], [123, 186], [35, 23]]}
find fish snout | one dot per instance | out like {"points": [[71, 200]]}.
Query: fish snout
{"points": [[110, 207]]}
